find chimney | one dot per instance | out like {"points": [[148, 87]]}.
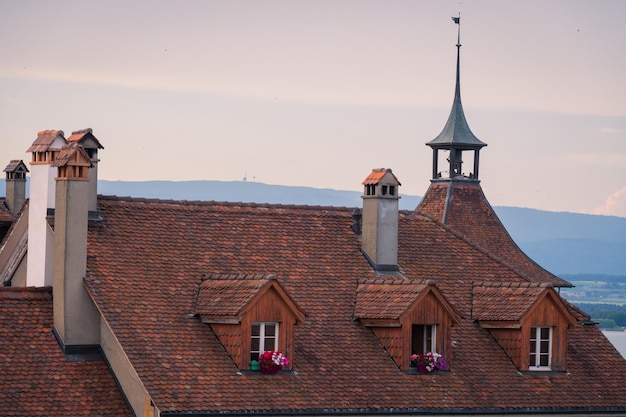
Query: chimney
{"points": [[380, 220], [76, 319], [91, 145], [15, 185], [39, 267]]}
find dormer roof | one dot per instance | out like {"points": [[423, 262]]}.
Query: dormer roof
{"points": [[393, 298], [225, 298], [511, 302]]}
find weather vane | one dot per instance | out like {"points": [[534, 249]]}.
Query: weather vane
{"points": [[457, 20]]}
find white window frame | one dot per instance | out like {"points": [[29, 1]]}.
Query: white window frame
{"points": [[538, 354], [261, 337], [426, 337]]}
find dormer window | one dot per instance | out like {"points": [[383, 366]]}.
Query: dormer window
{"points": [[264, 338], [529, 321], [540, 349], [424, 338], [250, 314], [408, 317]]}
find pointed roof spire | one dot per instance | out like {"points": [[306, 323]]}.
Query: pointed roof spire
{"points": [[457, 131]]}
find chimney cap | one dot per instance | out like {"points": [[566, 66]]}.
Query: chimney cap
{"points": [[45, 139], [16, 165], [84, 136], [378, 174]]}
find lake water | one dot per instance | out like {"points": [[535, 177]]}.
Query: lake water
{"points": [[618, 339]]}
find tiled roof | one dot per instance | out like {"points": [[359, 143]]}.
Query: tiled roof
{"points": [[80, 135], [45, 138], [376, 175], [223, 296], [70, 151], [504, 301], [35, 376], [5, 214], [146, 260], [386, 300], [14, 165], [464, 208]]}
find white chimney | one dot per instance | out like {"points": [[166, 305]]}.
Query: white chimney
{"points": [[39, 267], [380, 220]]}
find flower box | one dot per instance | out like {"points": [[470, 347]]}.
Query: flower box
{"points": [[271, 361], [429, 362]]}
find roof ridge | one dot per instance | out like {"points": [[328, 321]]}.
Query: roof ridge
{"points": [[504, 284], [393, 280], [223, 203], [237, 277]]}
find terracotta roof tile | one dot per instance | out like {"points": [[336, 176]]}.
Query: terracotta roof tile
{"points": [[35, 376], [146, 260], [385, 301], [45, 138], [376, 175], [504, 301], [465, 209]]}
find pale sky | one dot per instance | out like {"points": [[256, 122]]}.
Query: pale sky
{"points": [[317, 93]]}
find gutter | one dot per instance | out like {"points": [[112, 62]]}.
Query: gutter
{"points": [[599, 411]]}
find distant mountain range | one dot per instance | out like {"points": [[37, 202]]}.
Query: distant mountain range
{"points": [[561, 242]]}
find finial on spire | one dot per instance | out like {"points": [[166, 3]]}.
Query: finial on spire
{"points": [[457, 20]]}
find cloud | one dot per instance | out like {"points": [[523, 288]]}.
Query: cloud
{"points": [[615, 204]]}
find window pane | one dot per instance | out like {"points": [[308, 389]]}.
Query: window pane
{"points": [[545, 346], [545, 333], [544, 360], [533, 332], [270, 329], [533, 346], [254, 345], [256, 329], [533, 360], [269, 344]]}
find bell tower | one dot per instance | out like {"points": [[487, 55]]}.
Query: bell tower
{"points": [[456, 138]]}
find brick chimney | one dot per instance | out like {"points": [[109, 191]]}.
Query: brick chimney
{"points": [[380, 221], [76, 319], [45, 148], [15, 184]]}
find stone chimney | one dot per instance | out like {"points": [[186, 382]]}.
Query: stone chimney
{"points": [[15, 184], [76, 319], [380, 220], [91, 145], [45, 148]]}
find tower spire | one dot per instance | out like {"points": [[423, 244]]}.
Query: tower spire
{"points": [[456, 135]]}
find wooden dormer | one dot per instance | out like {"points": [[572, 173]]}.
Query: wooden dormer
{"points": [[237, 305], [397, 309], [516, 314], [73, 163]]}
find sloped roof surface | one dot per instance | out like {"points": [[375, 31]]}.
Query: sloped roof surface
{"points": [[5, 214], [83, 135], [386, 298], [35, 377], [227, 295], [464, 208], [14, 165], [376, 175], [45, 138], [504, 301], [147, 257]]}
